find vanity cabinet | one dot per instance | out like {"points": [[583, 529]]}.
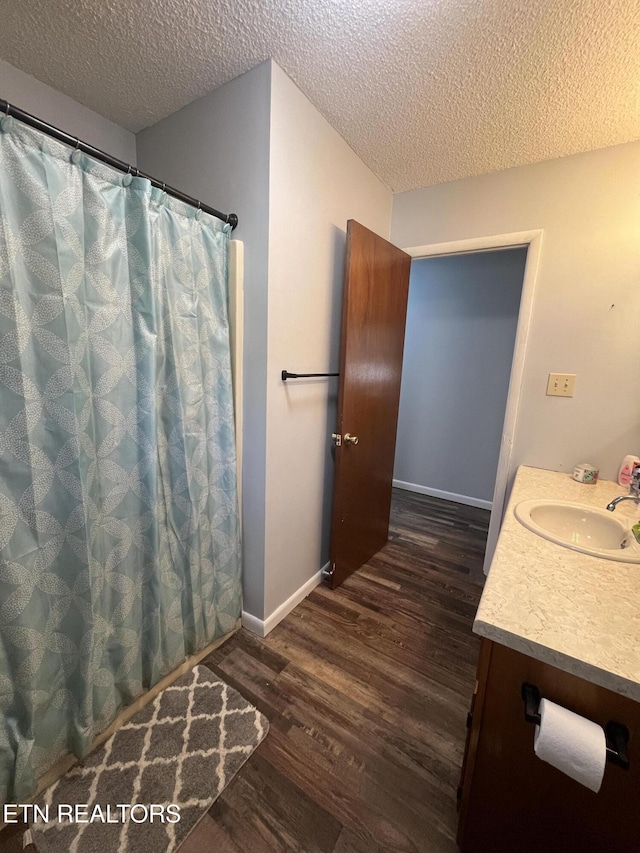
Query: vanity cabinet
{"points": [[510, 800]]}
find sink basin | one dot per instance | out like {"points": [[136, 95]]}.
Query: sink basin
{"points": [[581, 528]]}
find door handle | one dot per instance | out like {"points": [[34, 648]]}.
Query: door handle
{"points": [[350, 439]]}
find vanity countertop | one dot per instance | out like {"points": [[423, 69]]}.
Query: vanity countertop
{"points": [[576, 612]]}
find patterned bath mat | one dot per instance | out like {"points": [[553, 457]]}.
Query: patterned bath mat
{"points": [[175, 756]]}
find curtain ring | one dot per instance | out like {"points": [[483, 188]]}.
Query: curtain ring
{"points": [[6, 121], [75, 154]]}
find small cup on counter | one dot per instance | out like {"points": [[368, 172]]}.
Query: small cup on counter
{"points": [[586, 473]]}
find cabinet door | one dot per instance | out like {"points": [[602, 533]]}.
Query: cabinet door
{"points": [[473, 729], [514, 801]]}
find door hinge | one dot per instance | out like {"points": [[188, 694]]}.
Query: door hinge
{"points": [[337, 439], [327, 574]]}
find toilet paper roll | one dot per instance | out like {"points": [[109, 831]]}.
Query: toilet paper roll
{"points": [[576, 746]]}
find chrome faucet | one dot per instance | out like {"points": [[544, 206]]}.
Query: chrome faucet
{"points": [[634, 492]]}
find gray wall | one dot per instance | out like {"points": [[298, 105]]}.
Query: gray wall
{"points": [[217, 150], [586, 293], [317, 183], [461, 327], [258, 147], [55, 108]]}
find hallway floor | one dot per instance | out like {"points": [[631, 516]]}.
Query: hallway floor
{"points": [[367, 689]]}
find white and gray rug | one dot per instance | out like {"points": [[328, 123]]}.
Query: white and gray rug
{"points": [[181, 750]]}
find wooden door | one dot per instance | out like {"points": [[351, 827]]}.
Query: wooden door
{"points": [[374, 308]]}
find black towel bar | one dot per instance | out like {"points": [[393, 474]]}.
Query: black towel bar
{"points": [[617, 735], [286, 375]]}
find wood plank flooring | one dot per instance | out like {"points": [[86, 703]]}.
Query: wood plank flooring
{"points": [[367, 689]]}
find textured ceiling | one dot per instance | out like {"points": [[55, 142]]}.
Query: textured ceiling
{"points": [[424, 91]]}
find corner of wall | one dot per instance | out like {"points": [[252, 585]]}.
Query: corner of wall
{"points": [[317, 183], [35, 97], [261, 627]]}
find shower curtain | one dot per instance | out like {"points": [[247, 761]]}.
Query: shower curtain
{"points": [[119, 535]]}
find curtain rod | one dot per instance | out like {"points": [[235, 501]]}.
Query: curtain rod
{"points": [[74, 142]]}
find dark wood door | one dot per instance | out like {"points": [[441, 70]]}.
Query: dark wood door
{"points": [[374, 309]]}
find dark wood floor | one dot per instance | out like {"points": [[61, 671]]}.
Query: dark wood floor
{"points": [[367, 689]]}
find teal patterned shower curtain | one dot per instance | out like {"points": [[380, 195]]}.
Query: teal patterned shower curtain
{"points": [[119, 535]]}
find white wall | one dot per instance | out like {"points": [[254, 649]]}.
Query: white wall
{"points": [[258, 147], [57, 109], [217, 150], [587, 298], [317, 184], [461, 327]]}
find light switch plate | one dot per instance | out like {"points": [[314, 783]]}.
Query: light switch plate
{"points": [[561, 384]]}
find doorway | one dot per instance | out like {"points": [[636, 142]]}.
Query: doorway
{"points": [[462, 318], [377, 276], [529, 244]]}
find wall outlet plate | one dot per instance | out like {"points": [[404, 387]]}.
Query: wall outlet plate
{"points": [[561, 384]]}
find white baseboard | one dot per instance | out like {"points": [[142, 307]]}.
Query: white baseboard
{"points": [[262, 627], [446, 496], [252, 623]]}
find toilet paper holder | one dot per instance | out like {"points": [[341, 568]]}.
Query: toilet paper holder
{"points": [[616, 734]]}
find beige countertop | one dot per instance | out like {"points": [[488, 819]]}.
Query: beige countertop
{"points": [[574, 611]]}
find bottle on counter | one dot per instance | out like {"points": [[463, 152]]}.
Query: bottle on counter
{"points": [[626, 469]]}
